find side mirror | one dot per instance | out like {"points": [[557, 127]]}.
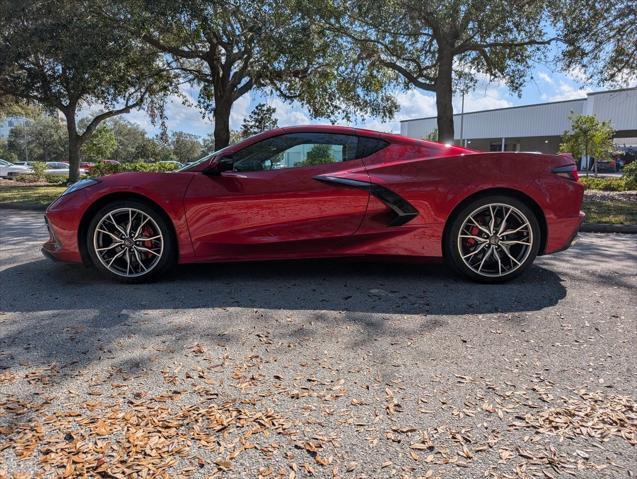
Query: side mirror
{"points": [[220, 165]]}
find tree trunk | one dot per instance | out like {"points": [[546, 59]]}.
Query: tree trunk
{"points": [[74, 146], [223, 107], [444, 98]]}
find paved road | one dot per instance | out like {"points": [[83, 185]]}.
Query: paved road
{"points": [[319, 369]]}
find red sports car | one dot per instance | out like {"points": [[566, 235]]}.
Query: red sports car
{"points": [[324, 192]]}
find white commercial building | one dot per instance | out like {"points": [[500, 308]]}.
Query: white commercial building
{"points": [[535, 127]]}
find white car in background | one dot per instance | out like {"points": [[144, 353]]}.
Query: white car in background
{"points": [[59, 168], [9, 169]]}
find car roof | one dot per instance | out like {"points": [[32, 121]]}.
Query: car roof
{"points": [[348, 130]]}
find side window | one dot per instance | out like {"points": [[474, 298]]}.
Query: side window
{"points": [[368, 146], [296, 150]]}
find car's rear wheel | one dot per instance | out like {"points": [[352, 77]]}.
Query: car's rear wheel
{"points": [[493, 239], [130, 241]]}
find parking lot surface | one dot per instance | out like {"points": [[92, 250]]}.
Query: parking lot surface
{"points": [[318, 369]]}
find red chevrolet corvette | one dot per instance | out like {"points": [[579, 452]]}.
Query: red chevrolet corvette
{"points": [[324, 192]]}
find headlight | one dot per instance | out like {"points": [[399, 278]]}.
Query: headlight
{"points": [[78, 185]]}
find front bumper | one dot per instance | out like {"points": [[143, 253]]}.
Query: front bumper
{"points": [[63, 219]]}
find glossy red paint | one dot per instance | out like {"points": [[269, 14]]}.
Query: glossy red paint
{"points": [[289, 213]]}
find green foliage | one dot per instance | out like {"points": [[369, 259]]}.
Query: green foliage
{"points": [[27, 179], [260, 119], [102, 169], [432, 135], [153, 150], [441, 45], [605, 184], [186, 146], [38, 168], [599, 38], [63, 53], [6, 153], [318, 155], [101, 144], [40, 139], [276, 46], [55, 179], [129, 138], [588, 137], [630, 175]]}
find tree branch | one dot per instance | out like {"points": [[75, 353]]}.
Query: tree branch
{"points": [[178, 52], [108, 114], [467, 47], [408, 75]]}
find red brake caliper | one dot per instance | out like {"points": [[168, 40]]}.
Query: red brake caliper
{"points": [[147, 232], [474, 231]]}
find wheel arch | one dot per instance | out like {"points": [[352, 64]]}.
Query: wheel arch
{"points": [[110, 198], [526, 199]]}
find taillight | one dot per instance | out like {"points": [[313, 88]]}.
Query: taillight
{"points": [[568, 171]]}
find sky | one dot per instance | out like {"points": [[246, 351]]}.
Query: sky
{"points": [[544, 84]]}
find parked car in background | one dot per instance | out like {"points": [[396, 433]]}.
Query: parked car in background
{"points": [[59, 168], [87, 165], [8, 169], [606, 166]]}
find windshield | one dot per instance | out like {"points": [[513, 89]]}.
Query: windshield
{"points": [[190, 165]]}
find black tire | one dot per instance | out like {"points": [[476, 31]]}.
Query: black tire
{"points": [[519, 263], [159, 263]]}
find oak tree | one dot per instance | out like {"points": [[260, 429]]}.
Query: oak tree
{"points": [[60, 54], [441, 44], [230, 48], [599, 38]]}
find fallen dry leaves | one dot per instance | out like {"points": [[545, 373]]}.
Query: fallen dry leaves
{"points": [[124, 432]]}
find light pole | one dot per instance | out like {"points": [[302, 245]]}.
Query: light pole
{"points": [[462, 121]]}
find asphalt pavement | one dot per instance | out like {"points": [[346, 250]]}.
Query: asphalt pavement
{"points": [[318, 368]]}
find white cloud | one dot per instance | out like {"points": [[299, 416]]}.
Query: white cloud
{"points": [[240, 109], [289, 114], [411, 104], [545, 77], [487, 99], [566, 91]]}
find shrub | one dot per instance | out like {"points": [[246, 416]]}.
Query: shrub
{"points": [[55, 179], [630, 175], [26, 178], [38, 168], [604, 184], [102, 169]]}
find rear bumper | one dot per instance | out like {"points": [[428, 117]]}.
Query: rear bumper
{"points": [[562, 233]]}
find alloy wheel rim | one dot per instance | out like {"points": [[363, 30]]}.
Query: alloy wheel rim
{"points": [[495, 240], [128, 242]]}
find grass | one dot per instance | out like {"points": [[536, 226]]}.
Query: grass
{"points": [[597, 211], [29, 196], [610, 212]]}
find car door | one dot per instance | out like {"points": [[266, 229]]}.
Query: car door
{"points": [[269, 203]]}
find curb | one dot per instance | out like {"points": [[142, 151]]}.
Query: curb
{"points": [[606, 228], [9, 206]]}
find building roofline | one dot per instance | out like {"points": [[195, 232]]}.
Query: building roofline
{"points": [[498, 109], [611, 91], [524, 106]]}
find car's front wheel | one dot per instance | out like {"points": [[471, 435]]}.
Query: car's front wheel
{"points": [[493, 239], [130, 241]]}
